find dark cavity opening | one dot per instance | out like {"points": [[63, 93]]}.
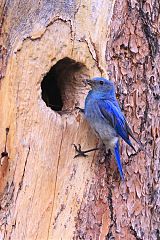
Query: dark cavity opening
{"points": [[61, 85], [51, 94]]}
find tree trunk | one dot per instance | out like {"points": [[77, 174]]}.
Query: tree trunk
{"points": [[48, 48]]}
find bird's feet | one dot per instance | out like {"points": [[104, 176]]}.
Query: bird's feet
{"points": [[83, 153], [109, 153], [105, 156], [79, 152]]}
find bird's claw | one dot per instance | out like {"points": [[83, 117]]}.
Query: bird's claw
{"points": [[80, 153], [109, 153]]}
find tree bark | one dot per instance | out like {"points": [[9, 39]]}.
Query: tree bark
{"points": [[44, 192]]}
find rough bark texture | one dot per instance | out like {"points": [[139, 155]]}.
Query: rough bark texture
{"points": [[45, 193]]}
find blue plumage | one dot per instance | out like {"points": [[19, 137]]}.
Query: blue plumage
{"points": [[118, 159], [104, 115]]}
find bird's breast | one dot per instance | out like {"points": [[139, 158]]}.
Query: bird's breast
{"points": [[101, 125]]}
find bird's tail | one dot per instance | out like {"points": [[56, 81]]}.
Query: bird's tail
{"points": [[118, 160]]}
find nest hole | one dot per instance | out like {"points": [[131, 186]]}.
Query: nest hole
{"points": [[62, 85]]}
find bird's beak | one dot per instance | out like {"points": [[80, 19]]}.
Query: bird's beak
{"points": [[87, 82]]}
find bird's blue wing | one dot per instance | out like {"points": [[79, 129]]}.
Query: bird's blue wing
{"points": [[112, 113]]}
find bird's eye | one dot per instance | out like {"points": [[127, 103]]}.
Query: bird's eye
{"points": [[101, 82]]}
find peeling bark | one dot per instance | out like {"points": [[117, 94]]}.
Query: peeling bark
{"points": [[132, 56]]}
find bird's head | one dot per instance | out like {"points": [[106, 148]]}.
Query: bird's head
{"points": [[101, 84]]}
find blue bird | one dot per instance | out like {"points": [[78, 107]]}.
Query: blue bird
{"points": [[104, 115]]}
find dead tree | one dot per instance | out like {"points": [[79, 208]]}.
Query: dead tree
{"points": [[47, 49]]}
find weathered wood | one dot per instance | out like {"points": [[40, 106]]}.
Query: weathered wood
{"points": [[45, 192]]}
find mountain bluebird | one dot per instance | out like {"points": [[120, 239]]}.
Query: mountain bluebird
{"points": [[104, 115]]}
